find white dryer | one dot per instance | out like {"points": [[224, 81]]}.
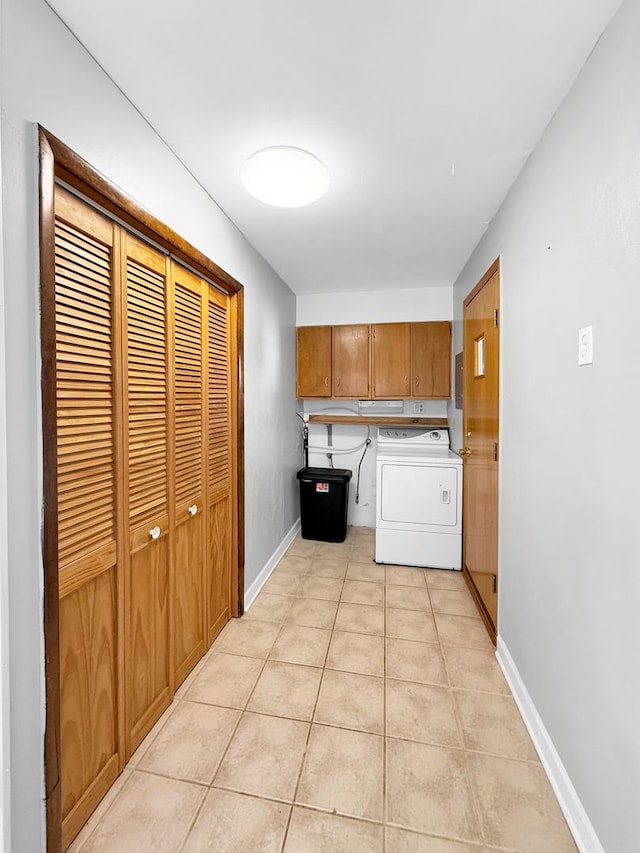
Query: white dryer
{"points": [[418, 499]]}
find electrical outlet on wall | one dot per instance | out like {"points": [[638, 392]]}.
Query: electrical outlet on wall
{"points": [[585, 345], [418, 408]]}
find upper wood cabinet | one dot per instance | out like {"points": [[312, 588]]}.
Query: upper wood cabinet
{"points": [[382, 361], [351, 361], [391, 360], [431, 359], [314, 361]]}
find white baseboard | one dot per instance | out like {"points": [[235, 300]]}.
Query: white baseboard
{"points": [[581, 827], [251, 593]]}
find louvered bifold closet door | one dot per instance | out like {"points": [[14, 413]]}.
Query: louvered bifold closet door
{"points": [[148, 464], [221, 537], [190, 461], [88, 496]]}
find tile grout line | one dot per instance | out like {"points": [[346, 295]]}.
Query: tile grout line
{"points": [[313, 713], [467, 770], [281, 622], [233, 734], [384, 722], [130, 769], [242, 711]]}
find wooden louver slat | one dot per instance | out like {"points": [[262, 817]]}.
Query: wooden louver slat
{"points": [[188, 393], [84, 353], [147, 382], [219, 427]]}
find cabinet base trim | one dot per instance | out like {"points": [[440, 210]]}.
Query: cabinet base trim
{"points": [[581, 827], [251, 594]]}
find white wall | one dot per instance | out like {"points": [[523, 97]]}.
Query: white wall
{"points": [[47, 77], [569, 236], [375, 306], [5, 812]]}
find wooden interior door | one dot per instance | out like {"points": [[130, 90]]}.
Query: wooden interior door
{"points": [[222, 522], [391, 360], [189, 357], [148, 465], [351, 361], [313, 361], [431, 359], [481, 409], [89, 496]]}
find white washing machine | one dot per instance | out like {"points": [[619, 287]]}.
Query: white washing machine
{"points": [[418, 499]]}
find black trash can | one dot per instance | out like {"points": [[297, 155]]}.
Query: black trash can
{"points": [[323, 503]]}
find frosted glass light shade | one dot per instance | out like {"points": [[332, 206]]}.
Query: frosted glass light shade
{"points": [[285, 177]]}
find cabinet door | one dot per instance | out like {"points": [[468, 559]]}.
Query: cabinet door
{"points": [[88, 489], [351, 361], [149, 674], [190, 461], [220, 522], [314, 361], [391, 360], [431, 359]]}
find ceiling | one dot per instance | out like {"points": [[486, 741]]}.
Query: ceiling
{"points": [[424, 113]]}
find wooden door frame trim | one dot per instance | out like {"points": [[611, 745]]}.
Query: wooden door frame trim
{"points": [[493, 269], [52, 770], [482, 610], [58, 162]]}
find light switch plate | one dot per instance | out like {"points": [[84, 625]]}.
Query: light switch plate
{"points": [[585, 345]]}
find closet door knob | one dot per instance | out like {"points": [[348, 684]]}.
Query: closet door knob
{"points": [[193, 509], [154, 533]]}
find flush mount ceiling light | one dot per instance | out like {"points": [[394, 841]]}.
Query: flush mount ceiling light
{"points": [[285, 176]]}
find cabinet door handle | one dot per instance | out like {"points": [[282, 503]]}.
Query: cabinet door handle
{"points": [[154, 533], [337, 381], [326, 381], [406, 380], [193, 509], [417, 381]]}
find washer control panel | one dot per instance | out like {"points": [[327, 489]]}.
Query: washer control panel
{"points": [[411, 437]]}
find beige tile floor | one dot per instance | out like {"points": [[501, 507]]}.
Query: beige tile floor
{"points": [[355, 708]]}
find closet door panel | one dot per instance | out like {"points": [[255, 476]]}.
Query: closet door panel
{"points": [[189, 383], [189, 601], [89, 713], [149, 681], [87, 507], [149, 691], [219, 562], [219, 463]]}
